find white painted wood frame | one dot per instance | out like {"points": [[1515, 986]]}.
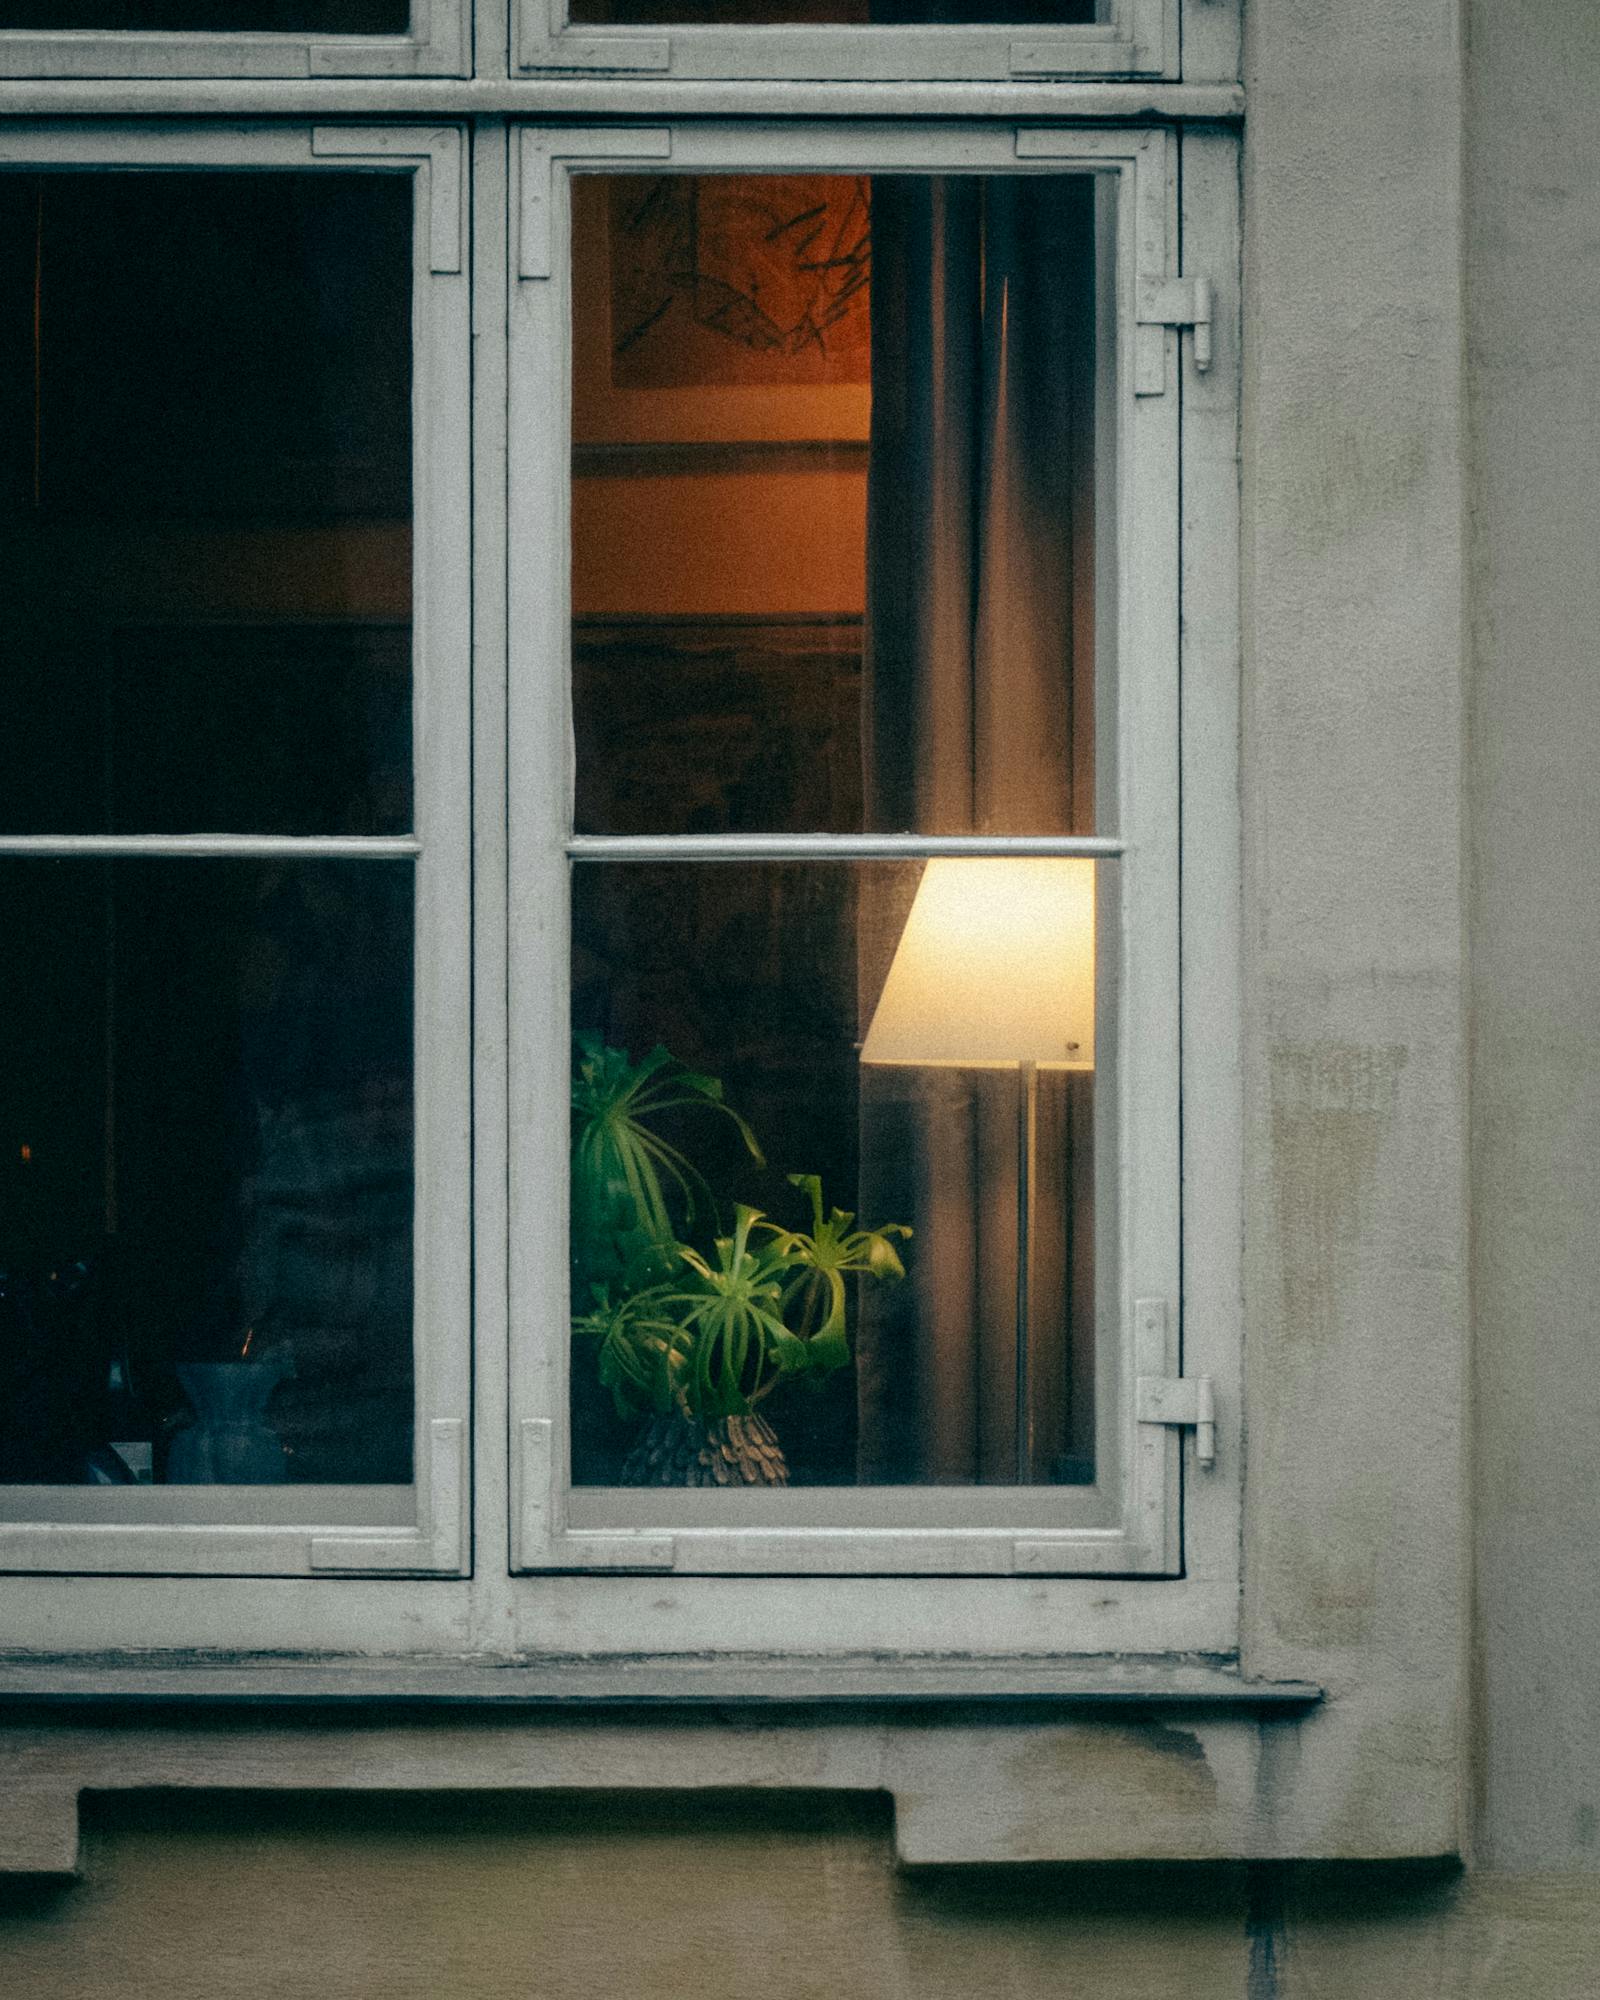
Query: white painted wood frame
{"points": [[519, 1113], [438, 43], [1131, 38], [325, 1531], [1129, 1523]]}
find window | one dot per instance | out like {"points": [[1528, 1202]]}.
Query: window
{"points": [[596, 812], [848, 723], [234, 863], [851, 38], [239, 38]]}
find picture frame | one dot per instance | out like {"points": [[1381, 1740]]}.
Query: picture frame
{"points": [[669, 347]]}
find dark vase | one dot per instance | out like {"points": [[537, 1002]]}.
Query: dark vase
{"points": [[230, 1442]]}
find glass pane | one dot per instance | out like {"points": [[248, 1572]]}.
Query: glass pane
{"points": [[205, 499], [739, 1027], [851, 13], [205, 1171], [836, 449], [313, 17]]}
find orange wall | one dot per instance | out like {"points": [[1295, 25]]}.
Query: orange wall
{"points": [[719, 543]]}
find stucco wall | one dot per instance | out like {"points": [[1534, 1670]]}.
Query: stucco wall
{"points": [[460, 1899], [1356, 1175], [231, 1898], [1534, 324]]}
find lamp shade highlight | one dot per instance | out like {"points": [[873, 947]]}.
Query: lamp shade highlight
{"points": [[995, 967]]}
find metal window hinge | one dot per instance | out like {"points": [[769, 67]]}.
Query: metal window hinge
{"points": [[1180, 302], [1187, 1401]]}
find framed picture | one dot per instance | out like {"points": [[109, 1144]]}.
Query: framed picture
{"points": [[721, 309]]}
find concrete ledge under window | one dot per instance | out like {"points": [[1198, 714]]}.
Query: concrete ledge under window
{"points": [[124, 1679], [1028, 1761]]}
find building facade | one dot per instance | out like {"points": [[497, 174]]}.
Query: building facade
{"points": [[1310, 1718]]}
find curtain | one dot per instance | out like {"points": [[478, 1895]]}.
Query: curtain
{"points": [[976, 718]]}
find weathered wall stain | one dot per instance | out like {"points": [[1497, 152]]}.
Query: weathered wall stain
{"points": [[1265, 1931], [1335, 1576], [1332, 1103], [1126, 1771], [1343, 478]]}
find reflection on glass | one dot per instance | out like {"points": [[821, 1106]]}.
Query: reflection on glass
{"points": [[834, 502], [205, 1108], [836, 444], [205, 496], [315, 17], [765, 1039], [205, 1171], [850, 13]]}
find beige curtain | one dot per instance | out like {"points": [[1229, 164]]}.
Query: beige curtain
{"points": [[976, 718]]}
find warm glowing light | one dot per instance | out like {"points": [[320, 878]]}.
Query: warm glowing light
{"points": [[27, 1154], [995, 967]]}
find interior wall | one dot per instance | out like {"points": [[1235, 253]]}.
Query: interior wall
{"points": [[735, 542], [706, 488]]}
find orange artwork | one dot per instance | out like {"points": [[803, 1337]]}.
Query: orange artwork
{"points": [[733, 280]]}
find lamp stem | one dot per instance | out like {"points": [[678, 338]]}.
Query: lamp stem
{"points": [[1027, 1142]]}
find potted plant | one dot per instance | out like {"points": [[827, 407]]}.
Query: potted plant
{"points": [[693, 1337]]}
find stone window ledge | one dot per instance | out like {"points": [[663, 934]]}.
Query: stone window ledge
{"points": [[123, 1680], [1027, 1760]]}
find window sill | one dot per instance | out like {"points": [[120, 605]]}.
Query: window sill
{"points": [[641, 1681], [1027, 1760]]}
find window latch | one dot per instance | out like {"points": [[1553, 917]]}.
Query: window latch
{"points": [[1188, 1402], [1180, 302]]}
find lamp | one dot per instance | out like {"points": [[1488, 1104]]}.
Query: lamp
{"points": [[995, 970]]}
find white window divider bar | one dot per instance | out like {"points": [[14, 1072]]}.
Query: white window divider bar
{"points": [[218, 846], [835, 846]]}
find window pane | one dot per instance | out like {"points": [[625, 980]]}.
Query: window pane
{"points": [[835, 465], [315, 17], [205, 498], [802, 989], [205, 1171], [852, 13]]}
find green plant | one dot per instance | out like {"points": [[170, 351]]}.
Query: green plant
{"points": [[707, 1334], [622, 1168], [826, 1256], [639, 1351], [730, 1308]]}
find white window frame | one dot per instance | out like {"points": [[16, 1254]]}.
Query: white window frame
{"points": [[1129, 1526], [329, 1530], [479, 1607], [438, 43], [1133, 38]]}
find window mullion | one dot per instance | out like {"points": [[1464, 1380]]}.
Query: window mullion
{"points": [[836, 846], [208, 846]]}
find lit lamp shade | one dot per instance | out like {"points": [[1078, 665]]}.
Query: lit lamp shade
{"points": [[995, 967]]}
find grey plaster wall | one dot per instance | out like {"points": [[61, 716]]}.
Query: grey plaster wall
{"points": [[1533, 271], [1356, 1134], [737, 1898]]}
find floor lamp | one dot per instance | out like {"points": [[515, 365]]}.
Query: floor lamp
{"points": [[995, 970]]}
